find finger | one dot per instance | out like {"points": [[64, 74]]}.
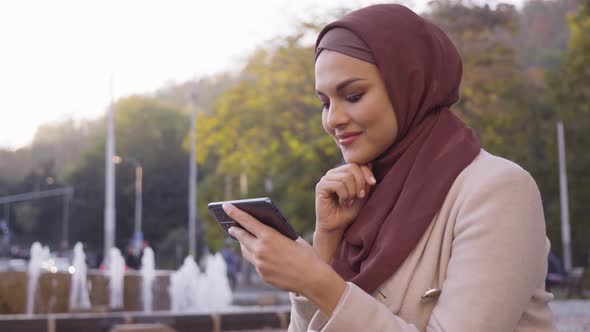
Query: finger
{"points": [[349, 183], [246, 239], [250, 223], [247, 254], [335, 187], [368, 174], [358, 175], [302, 241]]}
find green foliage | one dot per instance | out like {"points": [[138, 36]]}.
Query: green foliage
{"points": [[569, 94], [25, 214], [496, 99], [151, 132], [172, 248], [542, 33], [514, 113], [268, 126]]}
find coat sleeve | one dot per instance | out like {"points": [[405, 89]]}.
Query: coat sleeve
{"points": [[498, 259], [302, 310]]}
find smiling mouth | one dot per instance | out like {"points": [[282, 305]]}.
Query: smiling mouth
{"points": [[348, 138]]}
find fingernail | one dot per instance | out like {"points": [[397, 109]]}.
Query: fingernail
{"points": [[362, 194], [373, 180]]}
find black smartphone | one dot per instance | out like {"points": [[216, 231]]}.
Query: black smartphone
{"points": [[261, 208]]}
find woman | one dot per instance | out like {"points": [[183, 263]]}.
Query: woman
{"points": [[421, 229]]}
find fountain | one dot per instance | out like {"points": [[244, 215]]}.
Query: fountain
{"points": [[185, 287], [191, 290], [218, 291], [185, 300], [116, 275], [79, 298], [148, 274], [39, 257]]}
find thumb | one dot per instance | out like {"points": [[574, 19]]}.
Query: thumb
{"points": [[302, 241]]}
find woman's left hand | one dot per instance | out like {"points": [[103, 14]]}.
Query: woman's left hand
{"points": [[278, 259], [284, 263]]}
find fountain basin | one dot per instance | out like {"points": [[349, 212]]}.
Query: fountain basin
{"points": [[231, 319], [53, 293]]}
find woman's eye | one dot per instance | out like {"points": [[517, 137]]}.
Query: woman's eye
{"points": [[325, 106], [354, 98]]}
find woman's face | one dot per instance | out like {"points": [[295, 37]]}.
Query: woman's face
{"points": [[357, 111]]}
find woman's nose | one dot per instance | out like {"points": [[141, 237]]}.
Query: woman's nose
{"points": [[336, 116]]}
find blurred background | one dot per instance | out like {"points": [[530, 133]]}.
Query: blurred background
{"points": [[246, 69]]}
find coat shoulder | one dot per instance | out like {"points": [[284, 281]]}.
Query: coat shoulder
{"points": [[490, 171]]}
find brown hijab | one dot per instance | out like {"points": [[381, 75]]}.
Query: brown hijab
{"points": [[421, 70]]}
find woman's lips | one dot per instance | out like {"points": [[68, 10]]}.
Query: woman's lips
{"points": [[348, 137]]}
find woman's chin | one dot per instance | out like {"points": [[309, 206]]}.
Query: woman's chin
{"points": [[351, 157]]}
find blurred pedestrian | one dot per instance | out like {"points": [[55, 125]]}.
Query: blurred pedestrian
{"points": [[132, 256], [556, 273], [231, 262]]}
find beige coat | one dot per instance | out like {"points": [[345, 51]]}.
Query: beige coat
{"points": [[486, 251]]}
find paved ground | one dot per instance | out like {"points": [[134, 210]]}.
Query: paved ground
{"points": [[572, 315]]}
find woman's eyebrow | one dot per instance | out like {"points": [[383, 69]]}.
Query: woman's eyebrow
{"points": [[343, 84]]}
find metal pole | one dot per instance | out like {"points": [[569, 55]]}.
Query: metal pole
{"points": [[138, 197], [35, 195], [7, 218], [66, 219], [7, 213], [192, 186], [109, 209], [565, 214]]}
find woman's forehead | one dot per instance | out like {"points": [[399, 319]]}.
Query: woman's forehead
{"points": [[333, 67]]}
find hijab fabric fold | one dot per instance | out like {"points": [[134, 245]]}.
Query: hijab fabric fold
{"points": [[422, 70], [345, 41]]}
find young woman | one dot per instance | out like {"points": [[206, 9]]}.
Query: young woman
{"points": [[421, 229]]}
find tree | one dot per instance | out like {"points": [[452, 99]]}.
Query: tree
{"points": [[499, 101], [268, 126], [543, 33], [151, 132], [496, 99], [569, 93]]}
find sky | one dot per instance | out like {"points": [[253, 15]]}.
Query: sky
{"points": [[62, 59]]}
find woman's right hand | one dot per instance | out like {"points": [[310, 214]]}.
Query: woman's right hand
{"points": [[340, 195]]}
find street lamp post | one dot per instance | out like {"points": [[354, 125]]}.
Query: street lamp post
{"points": [[565, 214], [192, 183], [137, 234]]}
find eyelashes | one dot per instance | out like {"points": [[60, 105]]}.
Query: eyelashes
{"points": [[351, 99], [354, 98]]}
